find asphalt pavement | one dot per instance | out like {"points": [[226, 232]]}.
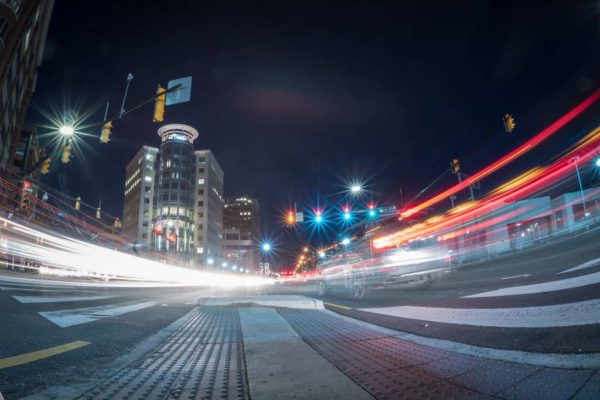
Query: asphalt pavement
{"points": [[540, 299], [525, 325], [40, 315]]}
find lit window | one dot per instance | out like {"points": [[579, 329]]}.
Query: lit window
{"points": [[200, 250], [148, 178], [201, 181]]}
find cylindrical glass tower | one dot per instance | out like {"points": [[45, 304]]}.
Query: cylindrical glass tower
{"points": [[174, 191]]}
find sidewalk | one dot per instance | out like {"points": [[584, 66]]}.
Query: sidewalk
{"points": [[246, 351]]}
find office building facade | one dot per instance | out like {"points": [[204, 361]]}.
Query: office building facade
{"points": [[140, 174], [185, 211], [241, 221]]}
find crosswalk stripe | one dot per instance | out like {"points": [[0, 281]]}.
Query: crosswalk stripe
{"points": [[589, 264], [78, 316], [57, 299], [570, 283], [571, 314]]}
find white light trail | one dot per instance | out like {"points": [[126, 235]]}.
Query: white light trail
{"points": [[69, 257]]}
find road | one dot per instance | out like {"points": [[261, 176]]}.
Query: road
{"points": [[449, 311], [41, 315], [521, 326]]}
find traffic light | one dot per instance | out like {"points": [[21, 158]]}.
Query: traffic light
{"points": [[290, 218], [45, 168], [455, 166], [25, 191], [372, 211], [105, 135], [117, 224], [78, 203], [318, 216], [98, 213], [159, 106], [66, 154], [346, 215], [509, 123]]}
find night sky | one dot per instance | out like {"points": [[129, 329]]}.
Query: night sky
{"points": [[295, 100]]}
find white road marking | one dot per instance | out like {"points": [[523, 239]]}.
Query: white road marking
{"points": [[553, 286], [589, 360], [57, 299], [571, 314], [78, 316], [515, 276], [589, 264], [47, 290]]}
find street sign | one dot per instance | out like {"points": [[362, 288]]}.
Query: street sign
{"points": [[181, 95], [299, 217]]}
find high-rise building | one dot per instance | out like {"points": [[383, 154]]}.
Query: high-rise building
{"points": [[208, 203], [241, 222], [23, 29], [139, 196], [173, 197]]}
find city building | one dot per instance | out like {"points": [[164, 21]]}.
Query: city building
{"points": [[23, 29], [174, 197], [241, 221], [139, 196], [209, 204]]}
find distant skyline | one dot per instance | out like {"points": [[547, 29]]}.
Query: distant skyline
{"points": [[296, 100]]}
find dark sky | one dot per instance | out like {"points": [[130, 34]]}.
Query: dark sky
{"points": [[295, 99]]}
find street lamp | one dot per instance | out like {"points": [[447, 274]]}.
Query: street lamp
{"points": [[355, 188], [346, 241], [598, 162], [266, 247], [66, 130]]}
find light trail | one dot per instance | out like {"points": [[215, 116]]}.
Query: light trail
{"points": [[69, 257], [527, 184], [513, 155]]}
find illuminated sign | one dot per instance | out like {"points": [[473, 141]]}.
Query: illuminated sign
{"points": [[178, 137]]}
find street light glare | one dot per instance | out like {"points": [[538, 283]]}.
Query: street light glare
{"points": [[346, 241], [266, 247], [66, 130], [598, 162], [355, 188]]}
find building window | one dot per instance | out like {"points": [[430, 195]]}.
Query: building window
{"points": [[201, 181], [200, 203]]}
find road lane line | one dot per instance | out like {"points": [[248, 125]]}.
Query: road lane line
{"points": [[40, 354], [45, 290], [570, 283], [57, 299], [589, 264], [338, 306], [78, 316], [571, 314], [515, 276]]}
